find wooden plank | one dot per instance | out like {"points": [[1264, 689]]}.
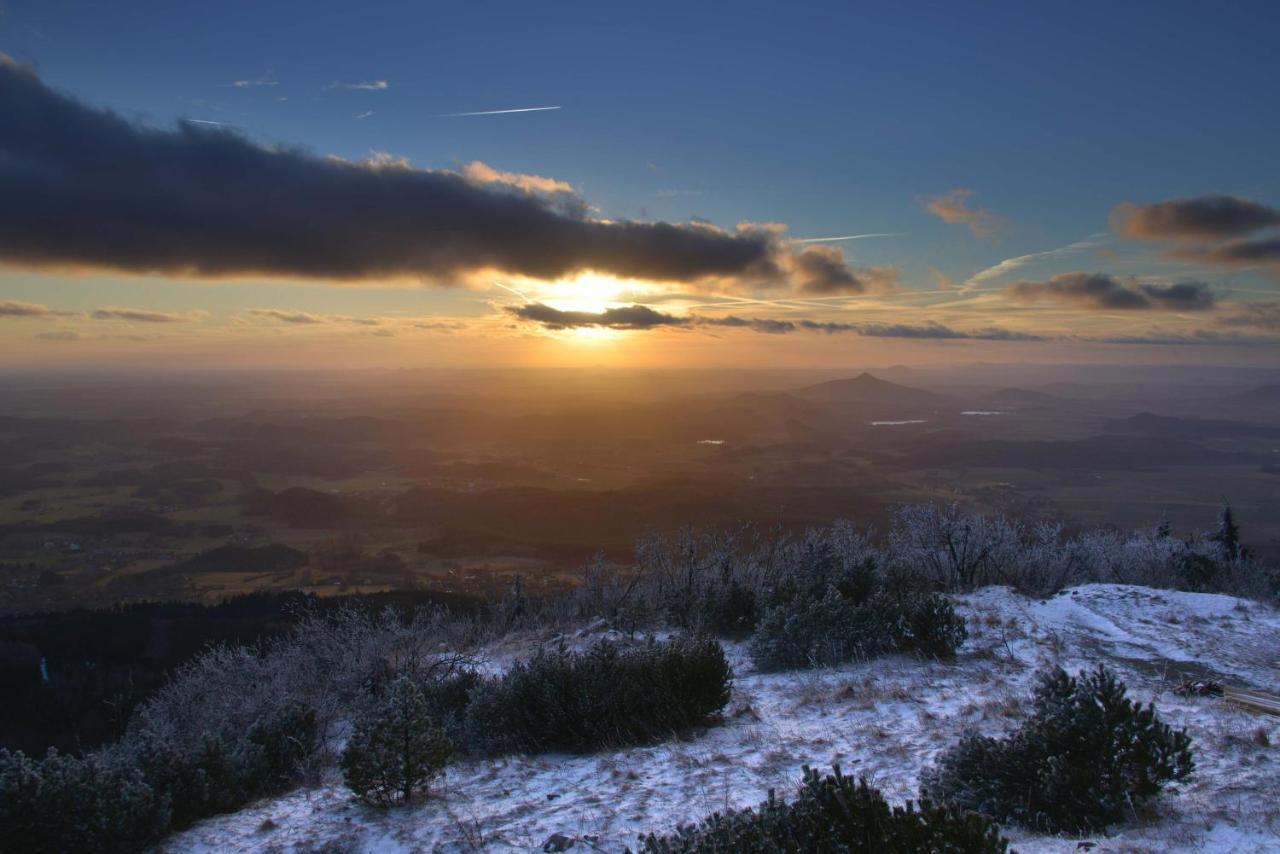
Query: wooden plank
{"points": [[1254, 701]]}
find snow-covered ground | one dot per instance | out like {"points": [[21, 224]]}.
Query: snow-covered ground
{"points": [[885, 719]]}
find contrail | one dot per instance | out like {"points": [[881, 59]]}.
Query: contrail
{"points": [[843, 237], [1010, 264], [514, 291], [496, 112], [207, 122]]}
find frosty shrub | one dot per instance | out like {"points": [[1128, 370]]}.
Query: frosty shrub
{"points": [[62, 803], [955, 550], [833, 813], [606, 696], [447, 696], [859, 614], [395, 749], [217, 774], [1085, 757], [132, 794]]}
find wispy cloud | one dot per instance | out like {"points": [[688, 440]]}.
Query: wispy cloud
{"points": [[1008, 265], [496, 112], [144, 315], [11, 308], [304, 318], [267, 79], [1260, 315], [366, 85], [283, 316], [363, 115], [439, 325]]}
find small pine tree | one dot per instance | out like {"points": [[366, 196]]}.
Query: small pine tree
{"points": [[1228, 534], [833, 813], [1164, 529], [396, 750], [1083, 760]]}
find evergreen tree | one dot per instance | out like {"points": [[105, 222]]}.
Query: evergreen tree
{"points": [[1228, 534], [396, 750], [1083, 760], [1164, 529]]}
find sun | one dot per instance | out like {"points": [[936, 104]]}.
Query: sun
{"points": [[585, 292]]}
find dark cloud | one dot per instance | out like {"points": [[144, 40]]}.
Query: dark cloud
{"points": [[140, 315], [830, 327], [629, 317], [1100, 291], [938, 331], [822, 270], [84, 187], [1184, 296], [1199, 217], [1234, 253], [766, 325]]}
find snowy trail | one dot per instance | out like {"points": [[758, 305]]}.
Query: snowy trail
{"points": [[886, 719]]}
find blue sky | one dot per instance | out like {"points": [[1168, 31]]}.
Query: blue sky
{"points": [[835, 118]]}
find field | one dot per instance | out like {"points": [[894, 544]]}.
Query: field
{"points": [[442, 484]]}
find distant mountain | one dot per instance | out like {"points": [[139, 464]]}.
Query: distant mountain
{"points": [[1264, 395], [1150, 424], [870, 391]]}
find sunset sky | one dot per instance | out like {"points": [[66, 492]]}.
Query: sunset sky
{"points": [[245, 184]]}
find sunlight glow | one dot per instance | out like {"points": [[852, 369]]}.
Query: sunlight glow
{"points": [[585, 292]]}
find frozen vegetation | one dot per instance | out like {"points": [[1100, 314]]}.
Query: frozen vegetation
{"points": [[710, 673]]}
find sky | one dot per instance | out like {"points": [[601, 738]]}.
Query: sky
{"points": [[409, 184]]}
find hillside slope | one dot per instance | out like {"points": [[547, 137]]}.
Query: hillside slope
{"points": [[886, 719]]}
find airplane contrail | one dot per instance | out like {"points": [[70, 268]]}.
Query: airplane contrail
{"points": [[513, 290], [496, 112], [844, 237], [208, 122]]}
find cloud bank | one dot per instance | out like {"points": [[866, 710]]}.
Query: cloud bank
{"points": [[640, 317], [82, 187]]}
